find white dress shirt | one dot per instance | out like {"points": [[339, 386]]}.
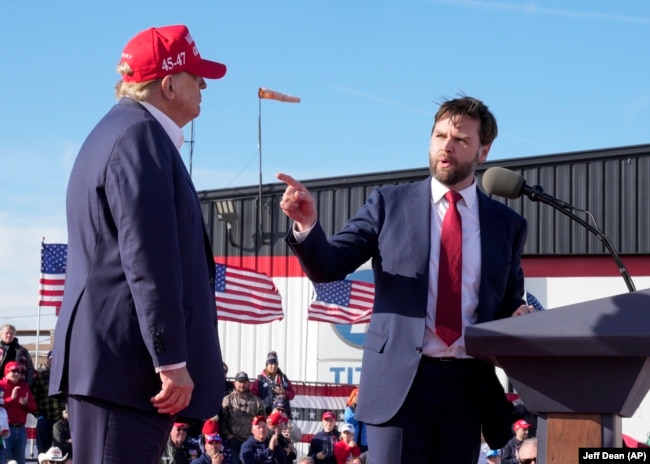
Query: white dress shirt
{"points": [[468, 210]]}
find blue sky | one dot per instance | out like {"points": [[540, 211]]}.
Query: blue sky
{"points": [[560, 76]]}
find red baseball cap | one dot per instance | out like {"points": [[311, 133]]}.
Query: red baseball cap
{"points": [[520, 424], [160, 51], [329, 415], [275, 418]]}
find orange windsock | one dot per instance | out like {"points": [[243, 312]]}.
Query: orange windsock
{"points": [[273, 95]]}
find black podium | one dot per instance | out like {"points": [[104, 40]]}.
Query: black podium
{"points": [[581, 368]]}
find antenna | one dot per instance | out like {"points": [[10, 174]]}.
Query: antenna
{"points": [[190, 144]]}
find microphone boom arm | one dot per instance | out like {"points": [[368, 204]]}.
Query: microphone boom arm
{"points": [[537, 194]]}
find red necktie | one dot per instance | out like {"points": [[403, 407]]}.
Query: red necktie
{"points": [[450, 273]]}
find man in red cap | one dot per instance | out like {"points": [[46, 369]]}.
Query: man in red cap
{"points": [[262, 446], [18, 401], [510, 453], [215, 451], [321, 446], [180, 448], [137, 324]]}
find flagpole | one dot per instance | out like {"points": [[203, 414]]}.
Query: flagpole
{"points": [[263, 93], [38, 313], [258, 241]]}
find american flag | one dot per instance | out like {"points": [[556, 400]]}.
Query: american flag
{"points": [[312, 400], [243, 295], [534, 302], [342, 302], [50, 291]]}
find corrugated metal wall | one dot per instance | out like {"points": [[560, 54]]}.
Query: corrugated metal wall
{"points": [[613, 184]]}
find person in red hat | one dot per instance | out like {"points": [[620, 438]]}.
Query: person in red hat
{"points": [[510, 453], [278, 422], [18, 401], [137, 323], [180, 448], [262, 447], [321, 446], [215, 451]]}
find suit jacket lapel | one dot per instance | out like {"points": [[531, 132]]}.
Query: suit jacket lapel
{"points": [[417, 221], [491, 259]]}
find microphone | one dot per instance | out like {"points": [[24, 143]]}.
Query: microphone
{"points": [[508, 184]]}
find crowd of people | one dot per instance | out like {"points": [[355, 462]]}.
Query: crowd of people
{"points": [[253, 426], [246, 431]]}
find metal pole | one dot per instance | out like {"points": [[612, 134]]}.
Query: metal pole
{"points": [[191, 144], [259, 147]]}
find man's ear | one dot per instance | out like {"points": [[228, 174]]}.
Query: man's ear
{"points": [[167, 87], [483, 151]]}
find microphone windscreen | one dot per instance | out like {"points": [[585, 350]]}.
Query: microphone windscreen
{"points": [[503, 182]]}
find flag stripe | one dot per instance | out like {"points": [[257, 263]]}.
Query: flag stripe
{"points": [[241, 295], [52, 279], [311, 401], [342, 302], [246, 296]]}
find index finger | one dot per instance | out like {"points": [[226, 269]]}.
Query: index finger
{"points": [[290, 181]]}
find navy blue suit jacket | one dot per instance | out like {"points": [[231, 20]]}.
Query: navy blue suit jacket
{"points": [[139, 290], [393, 229]]}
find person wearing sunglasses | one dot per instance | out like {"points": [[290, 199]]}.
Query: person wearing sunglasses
{"points": [[19, 401], [180, 448], [528, 451]]}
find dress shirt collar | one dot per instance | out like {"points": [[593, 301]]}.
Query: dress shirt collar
{"points": [[438, 191], [175, 133]]}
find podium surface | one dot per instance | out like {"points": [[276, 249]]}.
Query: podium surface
{"points": [[573, 366]]}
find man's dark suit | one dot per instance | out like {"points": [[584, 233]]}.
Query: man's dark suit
{"points": [[140, 273], [393, 229]]}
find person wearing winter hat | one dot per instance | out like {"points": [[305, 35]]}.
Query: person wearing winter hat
{"points": [[140, 276], [273, 384]]}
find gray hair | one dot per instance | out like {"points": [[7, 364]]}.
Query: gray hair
{"points": [[140, 91]]}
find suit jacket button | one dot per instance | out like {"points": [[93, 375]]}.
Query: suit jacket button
{"points": [[211, 282], [418, 349], [158, 342]]}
